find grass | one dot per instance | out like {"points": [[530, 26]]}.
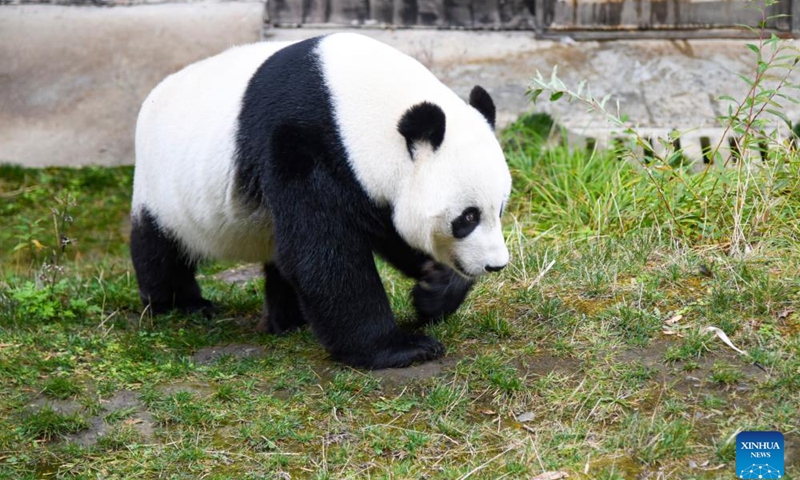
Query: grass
{"points": [[578, 353], [587, 355]]}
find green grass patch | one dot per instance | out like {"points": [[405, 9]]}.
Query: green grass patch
{"points": [[558, 361]]}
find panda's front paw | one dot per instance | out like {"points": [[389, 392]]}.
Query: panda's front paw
{"points": [[398, 350], [439, 292]]}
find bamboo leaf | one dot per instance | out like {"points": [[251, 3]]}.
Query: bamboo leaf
{"points": [[554, 75], [780, 115], [581, 86], [746, 79]]}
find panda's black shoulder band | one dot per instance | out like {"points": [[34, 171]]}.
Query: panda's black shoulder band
{"points": [[424, 122]]}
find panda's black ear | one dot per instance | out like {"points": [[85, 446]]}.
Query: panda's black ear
{"points": [[424, 122], [482, 102]]}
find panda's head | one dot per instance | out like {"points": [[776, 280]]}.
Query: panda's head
{"points": [[450, 205]]}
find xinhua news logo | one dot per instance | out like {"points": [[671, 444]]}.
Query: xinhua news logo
{"points": [[759, 455]]}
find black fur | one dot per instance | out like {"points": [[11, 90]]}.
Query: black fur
{"points": [[291, 140], [439, 292], [482, 102], [424, 122], [466, 223], [290, 159], [281, 308], [164, 273]]}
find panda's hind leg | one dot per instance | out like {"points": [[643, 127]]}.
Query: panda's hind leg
{"points": [[281, 308], [165, 274]]}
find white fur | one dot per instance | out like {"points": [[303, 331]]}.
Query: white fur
{"points": [[372, 86], [185, 142]]}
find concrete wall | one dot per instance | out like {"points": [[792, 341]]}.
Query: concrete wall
{"points": [[72, 78]]}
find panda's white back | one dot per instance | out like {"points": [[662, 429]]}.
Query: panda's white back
{"points": [[185, 149]]}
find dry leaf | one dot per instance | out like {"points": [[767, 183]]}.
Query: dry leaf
{"points": [[785, 314], [724, 337], [672, 321]]}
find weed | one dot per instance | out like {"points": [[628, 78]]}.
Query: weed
{"points": [[693, 345], [721, 204], [47, 424], [227, 393], [395, 406], [119, 436], [119, 415], [725, 374], [659, 439], [494, 324], [496, 371], [446, 399], [61, 387], [636, 326]]}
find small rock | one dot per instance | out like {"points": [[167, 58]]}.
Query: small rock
{"points": [[550, 476], [526, 417], [240, 274]]}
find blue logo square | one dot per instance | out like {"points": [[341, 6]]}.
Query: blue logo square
{"points": [[759, 455]]}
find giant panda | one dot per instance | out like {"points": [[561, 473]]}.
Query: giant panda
{"points": [[310, 157]]}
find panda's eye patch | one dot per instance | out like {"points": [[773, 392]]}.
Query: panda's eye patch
{"points": [[466, 222]]}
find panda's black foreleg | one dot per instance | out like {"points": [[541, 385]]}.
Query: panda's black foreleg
{"points": [[439, 291], [166, 276], [342, 298], [322, 221], [281, 308]]}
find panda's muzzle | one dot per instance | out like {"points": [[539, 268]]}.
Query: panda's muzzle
{"points": [[459, 268]]}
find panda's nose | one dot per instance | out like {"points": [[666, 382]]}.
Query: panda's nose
{"points": [[490, 268]]}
